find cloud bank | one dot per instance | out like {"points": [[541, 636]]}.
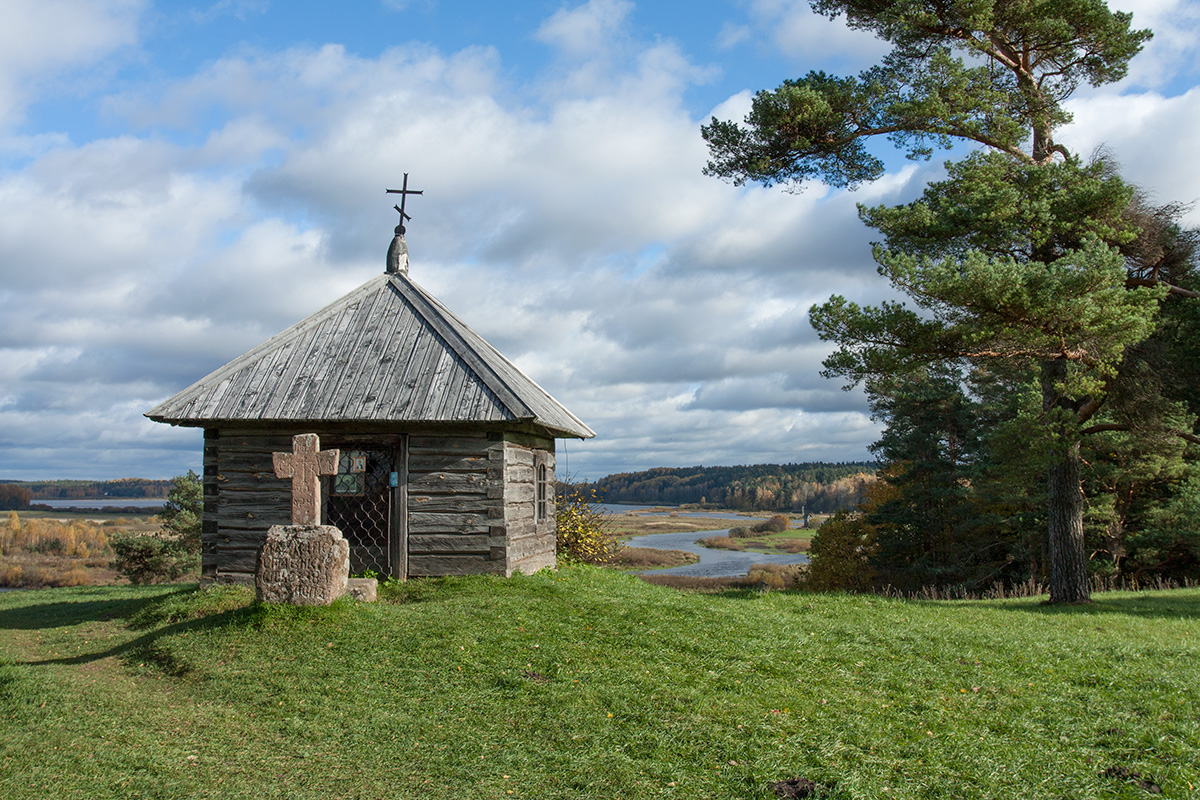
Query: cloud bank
{"points": [[666, 309]]}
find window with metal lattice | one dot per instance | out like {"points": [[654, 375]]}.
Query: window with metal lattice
{"points": [[543, 492]]}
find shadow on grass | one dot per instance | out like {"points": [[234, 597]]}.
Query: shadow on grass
{"points": [[1159, 604], [158, 614], [143, 646], [59, 614], [1155, 603]]}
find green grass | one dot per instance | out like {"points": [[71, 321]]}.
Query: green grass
{"points": [[590, 683]]}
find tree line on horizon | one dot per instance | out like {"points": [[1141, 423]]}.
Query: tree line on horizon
{"points": [[79, 489], [813, 487]]}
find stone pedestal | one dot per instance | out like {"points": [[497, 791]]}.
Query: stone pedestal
{"points": [[302, 565], [364, 590]]}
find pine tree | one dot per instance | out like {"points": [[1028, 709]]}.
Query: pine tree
{"points": [[1014, 261]]}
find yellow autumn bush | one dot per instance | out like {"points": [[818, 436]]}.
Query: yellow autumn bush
{"points": [[582, 532]]}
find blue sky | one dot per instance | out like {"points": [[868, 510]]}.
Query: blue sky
{"points": [[179, 181]]}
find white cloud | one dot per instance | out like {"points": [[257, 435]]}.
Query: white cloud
{"points": [[43, 39], [665, 308], [1148, 134], [627, 272], [1176, 27], [805, 36], [585, 30]]}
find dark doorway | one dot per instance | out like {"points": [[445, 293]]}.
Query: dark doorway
{"points": [[364, 501]]}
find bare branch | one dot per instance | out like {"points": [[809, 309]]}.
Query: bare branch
{"points": [[1171, 288], [1117, 426]]}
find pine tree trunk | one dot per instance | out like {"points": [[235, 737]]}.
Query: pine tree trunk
{"points": [[1068, 553]]}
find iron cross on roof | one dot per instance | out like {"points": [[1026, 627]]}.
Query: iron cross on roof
{"points": [[404, 192]]}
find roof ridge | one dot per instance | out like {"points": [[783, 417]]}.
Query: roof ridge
{"points": [[353, 359], [445, 322], [446, 313]]}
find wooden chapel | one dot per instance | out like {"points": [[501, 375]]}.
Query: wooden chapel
{"points": [[447, 450]]}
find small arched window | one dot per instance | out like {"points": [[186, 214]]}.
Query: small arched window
{"points": [[543, 493]]}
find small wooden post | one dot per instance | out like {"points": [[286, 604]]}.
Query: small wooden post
{"points": [[305, 465]]}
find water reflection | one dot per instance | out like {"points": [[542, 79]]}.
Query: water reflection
{"points": [[713, 563]]}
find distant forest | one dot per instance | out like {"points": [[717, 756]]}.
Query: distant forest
{"points": [[815, 487], [71, 490]]}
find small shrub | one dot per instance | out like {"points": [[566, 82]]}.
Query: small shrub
{"points": [[741, 532], [581, 528], [840, 554], [182, 513], [148, 558], [12, 575], [776, 524], [765, 580], [72, 577], [776, 576]]}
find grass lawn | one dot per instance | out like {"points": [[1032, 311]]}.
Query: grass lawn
{"points": [[588, 683]]}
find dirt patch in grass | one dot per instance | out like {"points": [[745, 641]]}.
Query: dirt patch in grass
{"points": [[653, 558]]}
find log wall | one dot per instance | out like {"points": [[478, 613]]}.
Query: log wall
{"points": [[245, 499], [471, 501], [530, 543], [454, 504]]}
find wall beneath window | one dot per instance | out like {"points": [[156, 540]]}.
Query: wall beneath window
{"points": [[530, 538]]}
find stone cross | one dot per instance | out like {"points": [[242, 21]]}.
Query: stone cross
{"points": [[304, 465]]}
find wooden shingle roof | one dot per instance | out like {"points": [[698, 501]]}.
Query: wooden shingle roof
{"points": [[386, 352]]}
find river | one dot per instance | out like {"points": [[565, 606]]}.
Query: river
{"points": [[713, 563], [96, 503]]}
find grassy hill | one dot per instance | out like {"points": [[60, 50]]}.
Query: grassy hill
{"points": [[589, 683]]}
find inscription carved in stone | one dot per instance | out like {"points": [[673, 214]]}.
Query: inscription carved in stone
{"points": [[302, 565]]}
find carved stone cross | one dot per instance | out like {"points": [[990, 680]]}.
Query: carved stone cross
{"points": [[305, 465]]}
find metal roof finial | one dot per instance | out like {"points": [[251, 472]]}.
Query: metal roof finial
{"points": [[404, 192]]}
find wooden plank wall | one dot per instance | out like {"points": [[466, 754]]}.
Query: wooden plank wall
{"points": [[208, 517], [248, 499], [530, 543], [456, 504], [471, 503]]}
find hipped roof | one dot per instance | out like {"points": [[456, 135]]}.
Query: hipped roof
{"points": [[386, 352]]}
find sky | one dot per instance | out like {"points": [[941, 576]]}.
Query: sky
{"points": [[179, 181]]}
